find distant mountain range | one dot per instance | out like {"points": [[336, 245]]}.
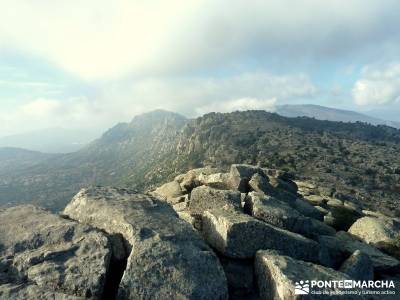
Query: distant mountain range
{"points": [[51, 140], [358, 160], [330, 114], [61, 140]]}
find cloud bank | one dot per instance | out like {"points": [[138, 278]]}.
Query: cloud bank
{"points": [[378, 85], [121, 101], [111, 60], [99, 39]]}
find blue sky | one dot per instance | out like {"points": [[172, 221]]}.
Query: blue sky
{"points": [[91, 64]]}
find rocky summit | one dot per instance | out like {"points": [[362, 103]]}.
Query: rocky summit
{"points": [[249, 233]]}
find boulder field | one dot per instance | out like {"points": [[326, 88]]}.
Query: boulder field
{"points": [[250, 233]]}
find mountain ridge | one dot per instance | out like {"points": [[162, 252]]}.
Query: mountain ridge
{"points": [[154, 147], [61, 140]]}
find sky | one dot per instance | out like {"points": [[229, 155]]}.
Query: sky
{"points": [[94, 63]]}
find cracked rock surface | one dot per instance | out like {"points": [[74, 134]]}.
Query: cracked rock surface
{"points": [[42, 251], [168, 259]]}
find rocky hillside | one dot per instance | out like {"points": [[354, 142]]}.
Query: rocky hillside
{"points": [[250, 233], [357, 162], [12, 159], [349, 161], [125, 152]]}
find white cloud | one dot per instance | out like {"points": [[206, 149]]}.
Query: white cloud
{"points": [[378, 85], [138, 55], [99, 39], [44, 113], [239, 105], [93, 38], [117, 102], [24, 84], [193, 96], [40, 108]]}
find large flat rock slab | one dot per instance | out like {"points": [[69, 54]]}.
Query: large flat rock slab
{"points": [[281, 214], [31, 291], [217, 181], [238, 235], [168, 260], [381, 232], [56, 254], [277, 276], [204, 198]]}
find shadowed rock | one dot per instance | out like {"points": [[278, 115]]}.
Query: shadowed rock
{"points": [[239, 273], [240, 175], [358, 266], [217, 181], [342, 215], [286, 185], [260, 184], [307, 209], [337, 248]]}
